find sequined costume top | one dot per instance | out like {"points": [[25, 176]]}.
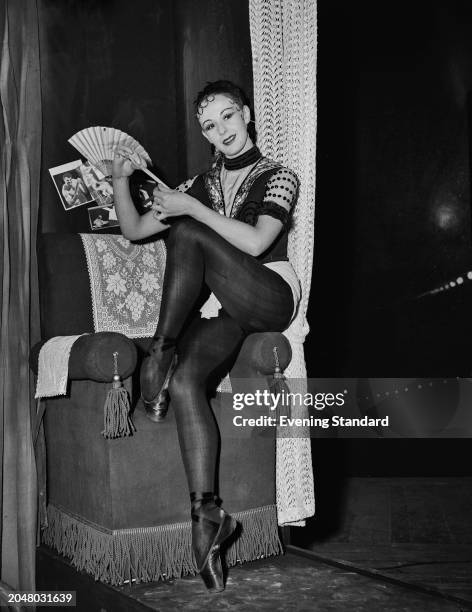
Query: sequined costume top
{"points": [[267, 188]]}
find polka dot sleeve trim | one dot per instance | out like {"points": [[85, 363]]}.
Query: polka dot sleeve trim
{"points": [[280, 195]]}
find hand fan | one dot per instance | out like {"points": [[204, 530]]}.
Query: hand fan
{"points": [[98, 145]]}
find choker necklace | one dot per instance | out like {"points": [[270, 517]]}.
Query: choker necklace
{"points": [[243, 160]]}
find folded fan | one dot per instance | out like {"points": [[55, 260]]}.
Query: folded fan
{"points": [[98, 145]]}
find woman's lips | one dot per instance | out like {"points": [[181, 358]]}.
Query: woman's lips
{"points": [[228, 141]]}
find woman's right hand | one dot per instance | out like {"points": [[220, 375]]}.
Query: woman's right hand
{"points": [[125, 162]]}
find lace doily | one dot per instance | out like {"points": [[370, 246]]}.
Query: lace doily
{"points": [[125, 283]]}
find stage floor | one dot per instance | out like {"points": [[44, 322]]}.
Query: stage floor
{"points": [[415, 530], [387, 544], [295, 581]]}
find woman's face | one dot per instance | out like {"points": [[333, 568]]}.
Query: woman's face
{"points": [[224, 124]]}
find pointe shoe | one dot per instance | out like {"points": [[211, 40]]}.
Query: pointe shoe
{"points": [[207, 536], [156, 372]]}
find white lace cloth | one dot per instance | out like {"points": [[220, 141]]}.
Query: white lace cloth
{"points": [[284, 51], [126, 283], [53, 366]]}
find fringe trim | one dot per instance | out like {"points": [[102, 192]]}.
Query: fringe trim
{"points": [[153, 553]]}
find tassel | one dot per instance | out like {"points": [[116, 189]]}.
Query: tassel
{"points": [[278, 386], [116, 418]]}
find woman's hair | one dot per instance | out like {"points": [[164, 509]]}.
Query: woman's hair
{"points": [[229, 88], [220, 87]]}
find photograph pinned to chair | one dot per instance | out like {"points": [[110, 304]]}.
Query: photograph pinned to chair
{"points": [[102, 217], [70, 185], [99, 185]]}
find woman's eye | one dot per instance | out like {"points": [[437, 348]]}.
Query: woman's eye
{"points": [[209, 126], [228, 116]]}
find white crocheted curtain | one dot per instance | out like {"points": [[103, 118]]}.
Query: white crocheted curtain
{"points": [[283, 40]]}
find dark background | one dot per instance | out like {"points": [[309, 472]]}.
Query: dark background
{"points": [[392, 214], [393, 190]]}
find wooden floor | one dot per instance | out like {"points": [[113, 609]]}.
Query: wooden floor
{"points": [[416, 530], [387, 545]]}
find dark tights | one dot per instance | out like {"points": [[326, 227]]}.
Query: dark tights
{"points": [[254, 299]]}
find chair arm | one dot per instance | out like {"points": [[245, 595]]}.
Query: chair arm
{"points": [[91, 357], [256, 356]]}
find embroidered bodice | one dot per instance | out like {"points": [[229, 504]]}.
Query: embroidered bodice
{"points": [[266, 188]]}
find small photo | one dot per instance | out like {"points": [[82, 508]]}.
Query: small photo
{"points": [[102, 217], [99, 186], [70, 185]]}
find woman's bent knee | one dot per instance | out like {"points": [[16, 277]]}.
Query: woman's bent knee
{"points": [[186, 230]]}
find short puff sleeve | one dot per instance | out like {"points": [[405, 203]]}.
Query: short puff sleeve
{"points": [[280, 195]]}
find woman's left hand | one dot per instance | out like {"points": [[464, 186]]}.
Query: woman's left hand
{"points": [[171, 203]]}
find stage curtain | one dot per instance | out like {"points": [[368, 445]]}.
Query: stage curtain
{"points": [[20, 156], [284, 53]]}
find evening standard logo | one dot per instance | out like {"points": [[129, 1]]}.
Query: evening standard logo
{"points": [[310, 421]]}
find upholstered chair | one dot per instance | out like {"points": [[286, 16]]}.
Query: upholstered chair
{"points": [[118, 508]]}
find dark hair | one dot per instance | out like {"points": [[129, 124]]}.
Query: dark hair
{"points": [[67, 175], [233, 91], [220, 87]]}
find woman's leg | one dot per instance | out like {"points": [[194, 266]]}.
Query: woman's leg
{"points": [[207, 349], [252, 294], [254, 298]]}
